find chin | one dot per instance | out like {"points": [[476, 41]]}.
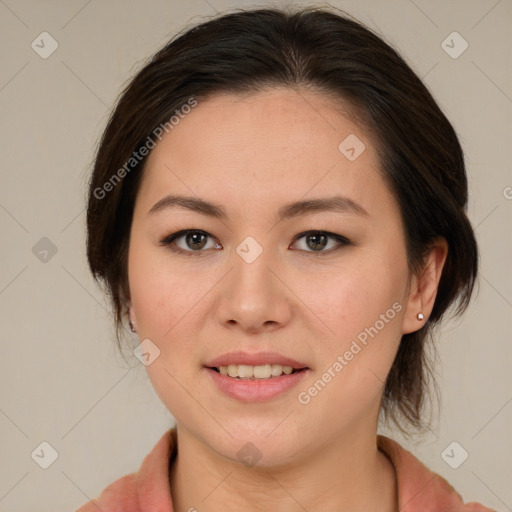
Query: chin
{"points": [[263, 443]]}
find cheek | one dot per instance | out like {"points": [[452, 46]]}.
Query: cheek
{"points": [[156, 293], [163, 302], [149, 291], [353, 362], [170, 302], [363, 307], [354, 297]]}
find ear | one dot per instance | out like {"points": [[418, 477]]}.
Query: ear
{"points": [[131, 313], [423, 287]]}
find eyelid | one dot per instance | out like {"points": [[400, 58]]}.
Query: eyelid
{"points": [[329, 234], [170, 239]]}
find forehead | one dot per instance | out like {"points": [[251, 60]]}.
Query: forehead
{"points": [[276, 143]]}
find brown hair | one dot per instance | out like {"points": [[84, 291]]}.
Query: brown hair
{"points": [[250, 50]]}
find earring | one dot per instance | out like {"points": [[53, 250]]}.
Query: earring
{"points": [[132, 328], [420, 316]]}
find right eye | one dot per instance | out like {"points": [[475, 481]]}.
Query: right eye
{"points": [[192, 242]]}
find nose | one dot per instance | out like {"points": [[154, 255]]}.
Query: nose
{"points": [[254, 296]]}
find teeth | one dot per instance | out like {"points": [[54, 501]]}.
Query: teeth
{"points": [[246, 371]]}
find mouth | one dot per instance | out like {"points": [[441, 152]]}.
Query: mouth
{"points": [[255, 377], [258, 372]]}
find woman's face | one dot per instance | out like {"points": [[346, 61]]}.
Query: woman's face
{"points": [[243, 288]]}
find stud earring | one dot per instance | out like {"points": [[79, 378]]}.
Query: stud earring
{"points": [[132, 328], [420, 316]]}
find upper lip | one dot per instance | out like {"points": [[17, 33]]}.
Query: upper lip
{"points": [[254, 359]]}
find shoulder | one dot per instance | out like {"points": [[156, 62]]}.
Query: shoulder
{"points": [[119, 496], [420, 489], [145, 490]]}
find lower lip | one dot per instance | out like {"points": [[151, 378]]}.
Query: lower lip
{"points": [[255, 390]]}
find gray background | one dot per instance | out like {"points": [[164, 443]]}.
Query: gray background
{"points": [[61, 379]]}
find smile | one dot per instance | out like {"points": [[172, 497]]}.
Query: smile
{"points": [[246, 371], [255, 389]]}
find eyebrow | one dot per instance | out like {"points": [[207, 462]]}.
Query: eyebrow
{"points": [[336, 203]]}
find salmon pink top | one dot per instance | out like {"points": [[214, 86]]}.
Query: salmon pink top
{"points": [[148, 490]]}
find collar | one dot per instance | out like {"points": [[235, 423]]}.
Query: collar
{"points": [[419, 489]]}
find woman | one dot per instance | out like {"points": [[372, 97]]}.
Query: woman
{"points": [[278, 209]]}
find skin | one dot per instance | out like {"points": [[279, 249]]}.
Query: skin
{"points": [[252, 154]]}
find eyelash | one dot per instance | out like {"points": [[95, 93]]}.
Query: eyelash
{"points": [[170, 239]]}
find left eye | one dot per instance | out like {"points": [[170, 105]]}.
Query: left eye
{"points": [[319, 240], [194, 241]]}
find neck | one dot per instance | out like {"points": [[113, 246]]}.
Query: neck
{"points": [[350, 474]]}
